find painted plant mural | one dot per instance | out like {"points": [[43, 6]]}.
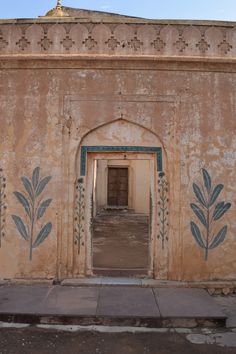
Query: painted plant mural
{"points": [[79, 213], [163, 209], [2, 205], [208, 211], [35, 208]]}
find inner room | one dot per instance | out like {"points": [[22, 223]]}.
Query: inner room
{"points": [[121, 217]]}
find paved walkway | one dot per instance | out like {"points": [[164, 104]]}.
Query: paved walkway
{"points": [[109, 305]]}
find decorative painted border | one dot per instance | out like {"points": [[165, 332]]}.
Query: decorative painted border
{"points": [[79, 213], [142, 149], [3, 206], [163, 211]]}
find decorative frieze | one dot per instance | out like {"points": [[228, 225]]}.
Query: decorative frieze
{"points": [[130, 38]]}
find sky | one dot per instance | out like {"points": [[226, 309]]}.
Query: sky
{"points": [[158, 9]]}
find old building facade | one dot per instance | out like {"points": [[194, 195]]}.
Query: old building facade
{"points": [[91, 98]]}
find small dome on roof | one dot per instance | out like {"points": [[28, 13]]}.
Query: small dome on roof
{"points": [[57, 11]]}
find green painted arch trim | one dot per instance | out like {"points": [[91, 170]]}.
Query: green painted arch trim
{"points": [[141, 149]]}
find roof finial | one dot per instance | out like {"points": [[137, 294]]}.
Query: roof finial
{"points": [[57, 11]]}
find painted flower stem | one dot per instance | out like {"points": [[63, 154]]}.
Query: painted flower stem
{"points": [[32, 232], [207, 233]]}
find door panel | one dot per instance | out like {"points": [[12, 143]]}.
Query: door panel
{"points": [[117, 186]]}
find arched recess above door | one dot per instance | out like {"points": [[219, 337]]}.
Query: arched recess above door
{"points": [[120, 136]]}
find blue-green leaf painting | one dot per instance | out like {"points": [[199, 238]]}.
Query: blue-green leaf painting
{"points": [[22, 199], [35, 209], [199, 195], [44, 232], [20, 227], [43, 207], [219, 238], [197, 234], [208, 213]]}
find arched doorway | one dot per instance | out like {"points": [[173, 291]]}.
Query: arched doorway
{"points": [[118, 166]]}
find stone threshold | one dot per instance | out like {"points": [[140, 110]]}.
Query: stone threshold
{"points": [[110, 306], [216, 287], [213, 287]]}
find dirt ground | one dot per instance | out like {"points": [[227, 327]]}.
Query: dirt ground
{"points": [[40, 341]]}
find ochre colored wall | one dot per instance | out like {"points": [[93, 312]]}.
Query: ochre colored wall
{"points": [[48, 107]]}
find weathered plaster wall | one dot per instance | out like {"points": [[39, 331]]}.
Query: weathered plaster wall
{"points": [[48, 107]]}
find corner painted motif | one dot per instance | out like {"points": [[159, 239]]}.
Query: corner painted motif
{"points": [[208, 212], [34, 208]]}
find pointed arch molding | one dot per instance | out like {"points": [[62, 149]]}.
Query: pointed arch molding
{"points": [[140, 149]]}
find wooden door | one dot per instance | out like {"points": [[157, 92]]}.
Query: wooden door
{"points": [[118, 186]]}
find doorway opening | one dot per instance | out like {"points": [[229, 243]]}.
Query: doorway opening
{"points": [[121, 217], [117, 187]]}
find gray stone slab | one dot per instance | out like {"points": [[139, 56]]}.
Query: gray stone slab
{"points": [[71, 301], [120, 281], [44, 300], [82, 281], [20, 299], [228, 305], [127, 301], [187, 303], [162, 283]]}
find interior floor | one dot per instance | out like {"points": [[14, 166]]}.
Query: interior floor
{"points": [[121, 241]]}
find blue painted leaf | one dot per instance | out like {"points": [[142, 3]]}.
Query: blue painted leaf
{"points": [[42, 184], [28, 186], [43, 234], [199, 195], [24, 202], [197, 234], [35, 177], [215, 193], [20, 226], [42, 208], [198, 212], [207, 180], [220, 210], [218, 207], [219, 237]]}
